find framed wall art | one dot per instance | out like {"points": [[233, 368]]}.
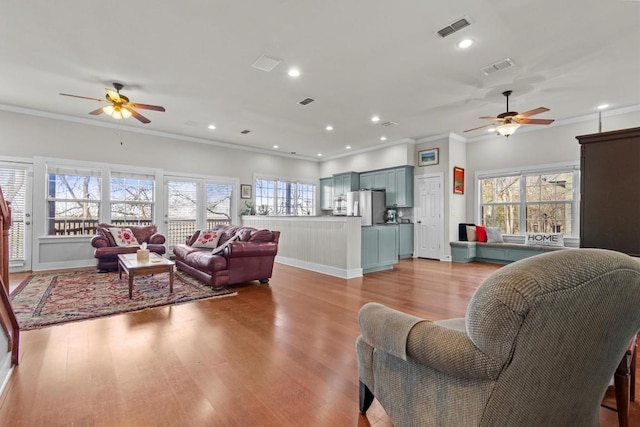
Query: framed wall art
{"points": [[458, 180], [428, 157], [245, 191]]}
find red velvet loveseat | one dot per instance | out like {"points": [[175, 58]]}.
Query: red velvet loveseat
{"points": [[107, 251], [249, 256]]}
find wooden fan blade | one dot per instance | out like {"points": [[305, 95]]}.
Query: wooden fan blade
{"points": [[479, 127], [97, 112], [497, 119], [535, 121], [139, 116], [113, 96], [83, 97], [146, 106], [533, 112]]}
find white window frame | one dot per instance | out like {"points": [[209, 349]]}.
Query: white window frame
{"points": [[527, 171], [294, 181]]}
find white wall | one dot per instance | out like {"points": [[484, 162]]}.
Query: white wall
{"points": [[34, 137], [386, 157]]}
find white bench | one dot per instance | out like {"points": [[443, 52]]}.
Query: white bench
{"points": [[500, 253]]}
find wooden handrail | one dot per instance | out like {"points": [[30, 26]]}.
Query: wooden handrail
{"points": [[8, 320]]}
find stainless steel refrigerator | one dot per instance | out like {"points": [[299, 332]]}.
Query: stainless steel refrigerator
{"points": [[369, 204]]}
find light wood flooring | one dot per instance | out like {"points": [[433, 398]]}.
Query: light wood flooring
{"points": [[277, 355]]}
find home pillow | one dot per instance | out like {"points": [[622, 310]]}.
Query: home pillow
{"points": [[481, 233], [544, 239], [494, 235], [471, 233], [123, 236], [207, 239], [220, 248]]}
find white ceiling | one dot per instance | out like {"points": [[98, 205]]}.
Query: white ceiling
{"points": [[357, 57]]}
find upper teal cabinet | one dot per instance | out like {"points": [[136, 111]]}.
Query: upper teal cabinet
{"points": [[366, 181], [345, 182], [379, 180], [399, 186], [326, 194]]}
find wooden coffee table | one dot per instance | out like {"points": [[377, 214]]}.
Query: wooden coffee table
{"points": [[129, 264]]}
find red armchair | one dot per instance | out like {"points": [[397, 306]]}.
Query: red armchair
{"points": [[107, 251]]}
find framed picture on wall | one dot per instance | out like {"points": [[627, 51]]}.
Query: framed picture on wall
{"points": [[245, 191], [428, 157], [458, 180]]}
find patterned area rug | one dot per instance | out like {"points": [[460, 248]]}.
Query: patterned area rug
{"points": [[50, 299]]}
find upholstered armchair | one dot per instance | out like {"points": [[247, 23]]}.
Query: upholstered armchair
{"points": [[540, 342], [107, 250]]}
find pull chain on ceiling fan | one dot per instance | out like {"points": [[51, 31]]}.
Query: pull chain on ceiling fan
{"points": [[120, 107], [511, 120]]}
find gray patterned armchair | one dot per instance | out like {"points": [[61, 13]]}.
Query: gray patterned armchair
{"points": [[540, 342]]}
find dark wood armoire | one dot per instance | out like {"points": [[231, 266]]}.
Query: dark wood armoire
{"points": [[610, 190]]}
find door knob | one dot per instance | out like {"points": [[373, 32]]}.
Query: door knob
{"points": [[419, 222], [27, 223]]}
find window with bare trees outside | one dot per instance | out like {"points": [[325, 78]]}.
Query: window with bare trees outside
{"points": [[132, 198], [73, 201], [539, 202], [281, 197]]}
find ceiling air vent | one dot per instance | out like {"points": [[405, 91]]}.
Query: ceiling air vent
{"points": [[498, 66], [266, 63], [388, 123], [306, 101], [453, 27], [246, 131]]}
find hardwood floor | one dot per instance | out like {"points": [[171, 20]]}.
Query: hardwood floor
{"points": [[278, 355]]}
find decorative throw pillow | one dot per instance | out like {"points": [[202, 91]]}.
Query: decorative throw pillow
{"points": [[481, 233], [220, 248], [207, 239], [471, 233], [123, 236], [544, 239], [494, 235]]}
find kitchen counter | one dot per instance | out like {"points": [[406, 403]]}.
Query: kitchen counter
{"points": [[326, 244]]}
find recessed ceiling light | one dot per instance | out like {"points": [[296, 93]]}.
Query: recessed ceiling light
{"points": [[348, 147], [375, 119], [212, 127], [294, 72], [491, 130], [603, 106], [329, 128], [383, 138], [463, 44], [276, 147], [319, 154]]}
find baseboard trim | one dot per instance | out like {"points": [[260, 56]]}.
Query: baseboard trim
{"points": [[321, 268]]}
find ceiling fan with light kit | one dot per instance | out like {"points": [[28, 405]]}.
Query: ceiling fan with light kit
{"points": [[119, 105], [511, 120]]}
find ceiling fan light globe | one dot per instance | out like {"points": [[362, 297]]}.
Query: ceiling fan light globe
{"points": [[108, 109], [507, 129], [125, 113]]}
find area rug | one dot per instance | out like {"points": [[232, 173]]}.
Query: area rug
{"points": [[50, 299]]}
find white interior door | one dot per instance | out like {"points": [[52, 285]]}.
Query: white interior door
{"points": [[430, 217], [15, 180]]}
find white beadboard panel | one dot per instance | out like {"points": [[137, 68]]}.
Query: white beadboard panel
{"points": [[330, 245]]}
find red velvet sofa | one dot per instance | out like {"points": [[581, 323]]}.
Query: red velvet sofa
{"points": [[107, 251], [249, 257]]}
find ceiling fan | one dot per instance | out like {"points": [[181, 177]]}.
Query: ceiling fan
{"points": [[511, 120], [120, 107]]}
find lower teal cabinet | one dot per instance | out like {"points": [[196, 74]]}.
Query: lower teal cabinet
{"points": [[379, 248], [405, 240]]}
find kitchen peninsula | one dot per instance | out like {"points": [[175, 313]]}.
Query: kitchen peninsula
{"points": [[326, 244]]}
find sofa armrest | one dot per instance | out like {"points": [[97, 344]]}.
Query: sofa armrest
{"points": [[446, 349], [248, 249], [157, 239], [99, 241]]}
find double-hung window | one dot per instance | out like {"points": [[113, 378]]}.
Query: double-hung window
{"points": [[73, 200], [132, 198], [284, 197], [541, 201]]}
